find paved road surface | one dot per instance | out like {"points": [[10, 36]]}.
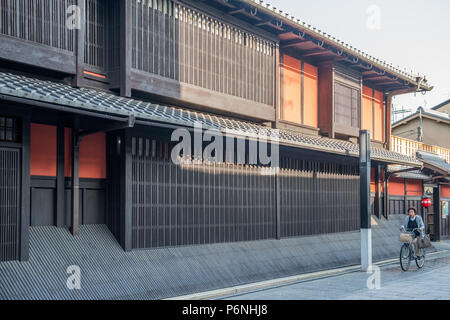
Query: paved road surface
{"points": [[431, 282]]}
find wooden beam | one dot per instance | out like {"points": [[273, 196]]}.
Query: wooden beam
{"points": [[34, 54], [292, 43], [171, 91], [265, 23], [127, 123], [316, 53], [377, 77], [235, 11]]}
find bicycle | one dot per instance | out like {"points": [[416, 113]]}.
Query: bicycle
{"points": [[408, 251]]}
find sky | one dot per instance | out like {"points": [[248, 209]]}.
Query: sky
{"points": [[412, 34]]}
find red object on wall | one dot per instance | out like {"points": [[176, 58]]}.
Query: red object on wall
{"points": [[426, 202], [42, 150], [396, 187], [445, 191], [92, 155]]}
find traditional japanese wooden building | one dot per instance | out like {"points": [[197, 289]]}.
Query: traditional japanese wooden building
{"points": [[425, 136], [86, 117]]}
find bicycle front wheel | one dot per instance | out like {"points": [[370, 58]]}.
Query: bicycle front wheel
{"points": [[405, 257], [420, 261]]}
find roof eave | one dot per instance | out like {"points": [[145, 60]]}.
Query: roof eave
{"points": [[322, 36]]}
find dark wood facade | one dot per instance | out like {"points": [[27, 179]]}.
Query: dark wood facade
{"points": [[207, 56]]}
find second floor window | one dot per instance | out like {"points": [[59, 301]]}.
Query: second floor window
{"points": [[9, 130], [346, 105]]}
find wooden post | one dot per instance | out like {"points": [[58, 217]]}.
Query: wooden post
{"points": [[125, 48], [437, 212], [386, 194], [387, 135], [125, 235], [76, 140], [80, 44], [60, 183], [278, 86], [405, 198], [25, 190], [378, 204]]}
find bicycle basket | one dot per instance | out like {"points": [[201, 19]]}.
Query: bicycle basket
{"points": [[406, 237]]}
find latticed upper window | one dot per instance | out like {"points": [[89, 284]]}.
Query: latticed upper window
{"points": [[9, 130], [346, 105]]}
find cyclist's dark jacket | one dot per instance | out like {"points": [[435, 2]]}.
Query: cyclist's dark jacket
{"points": [[418, 220], [412, 224]]}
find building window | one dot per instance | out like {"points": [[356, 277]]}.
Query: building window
{"points": [[346, 105], [9, 130]]}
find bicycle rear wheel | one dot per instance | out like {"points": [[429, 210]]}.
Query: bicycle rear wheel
{"points": [[405, 257], [421, 262]]}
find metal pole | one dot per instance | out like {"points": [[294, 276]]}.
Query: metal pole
{"points": [[364, 171]]}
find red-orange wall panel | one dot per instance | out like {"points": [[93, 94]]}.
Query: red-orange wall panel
{"points": [[366, 112], [42, 150], [445, 191], [396, 187], [291, 89], [414, 187], [379, 136], [311, 95], [92, 155]]}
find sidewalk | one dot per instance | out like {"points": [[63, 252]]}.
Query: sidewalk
{"points": [[429, 283], [303, 286]]}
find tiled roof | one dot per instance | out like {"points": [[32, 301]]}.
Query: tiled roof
{"points": [[322, 35], [413, 174], [434, 160], [107, 103], [425, 112]]}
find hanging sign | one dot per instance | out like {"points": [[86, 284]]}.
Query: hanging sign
{"points": [[444, 209]]}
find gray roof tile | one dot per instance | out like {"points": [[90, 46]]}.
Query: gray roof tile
{"points": [[434, 160], [105, 102]]}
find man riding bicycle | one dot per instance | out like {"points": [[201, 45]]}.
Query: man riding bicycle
{"points": [[414, 222]]}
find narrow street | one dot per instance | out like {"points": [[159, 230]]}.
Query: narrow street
{"points": [[432, 282]]}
